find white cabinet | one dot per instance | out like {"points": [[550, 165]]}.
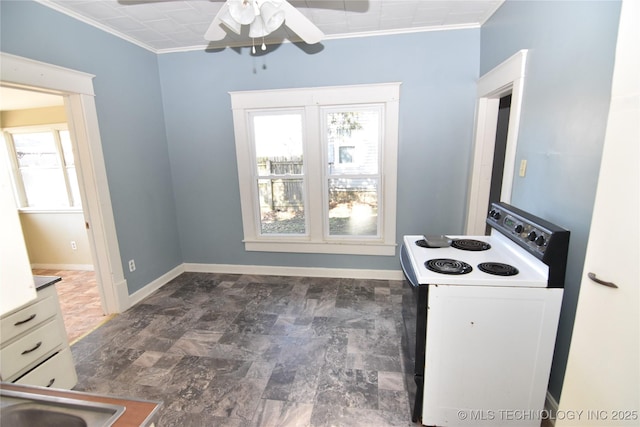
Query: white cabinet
{"points": [[34, 348]]}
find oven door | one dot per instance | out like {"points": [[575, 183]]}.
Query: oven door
{"points": [[414, 316]]}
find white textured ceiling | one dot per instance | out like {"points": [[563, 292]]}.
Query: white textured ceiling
{"points": [[178, 25]]}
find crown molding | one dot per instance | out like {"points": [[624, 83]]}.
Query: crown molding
{"points": [[204, 46]]}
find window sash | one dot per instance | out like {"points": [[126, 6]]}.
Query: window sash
{"points": [[65, 194], [279, 140], [368, 142]]}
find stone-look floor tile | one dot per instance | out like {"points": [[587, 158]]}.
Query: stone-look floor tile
{"points": [[148, 359], [280, 382], [232, 398], [305, 384], [246, 350], [272, 413], [339, 416], [391, 381], [196, 343], [394, 401], [348, 387]]}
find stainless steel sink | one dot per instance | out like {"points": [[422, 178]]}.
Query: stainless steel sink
{"points": [[19, 409]]}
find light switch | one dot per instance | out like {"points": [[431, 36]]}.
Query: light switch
{"points": [[523, 167]]}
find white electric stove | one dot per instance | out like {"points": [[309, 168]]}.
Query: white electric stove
{"points": [[481, 315], [531, 272]]}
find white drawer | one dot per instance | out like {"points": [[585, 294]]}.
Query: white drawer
{"points": [[27, 318], [28, 349], [57, 372]]}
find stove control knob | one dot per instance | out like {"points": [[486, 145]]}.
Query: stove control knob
{"points": [[532, 236], [495, 214], [540, 240], [518, 228]]}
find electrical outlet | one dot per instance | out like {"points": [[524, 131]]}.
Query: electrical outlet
{"points": [[132, 265], [73, 245]]}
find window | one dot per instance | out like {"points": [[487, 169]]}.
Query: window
{"points": [[44, 172], [317, 168]]}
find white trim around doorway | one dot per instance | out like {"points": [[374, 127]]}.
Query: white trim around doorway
{"points": [[506, 78], [77, 89]]}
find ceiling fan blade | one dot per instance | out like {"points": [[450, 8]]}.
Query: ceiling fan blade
{"points": [[300, 24], [215, 31]]}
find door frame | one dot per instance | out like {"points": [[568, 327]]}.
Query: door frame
{"points": [[77, 89], [506, 78]]}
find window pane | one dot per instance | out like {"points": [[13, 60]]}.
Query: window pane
{"points": [[278, 144], [67, 152], [281, 206], [353, 139], [36, 150], [75, 190], [44, 187], [353, 207]]}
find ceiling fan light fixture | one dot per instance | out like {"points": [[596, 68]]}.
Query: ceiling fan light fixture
{"points": [[242, 11], [263, 18], [257, 29], [229, 22], [272, 16]]}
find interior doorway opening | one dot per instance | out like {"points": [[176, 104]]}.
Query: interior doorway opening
{"points": [[76, 88], [499, 152], [504, 81], [39, 151]]}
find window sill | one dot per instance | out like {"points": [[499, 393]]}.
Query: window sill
{"points": [[351, 248], [49, 210]]}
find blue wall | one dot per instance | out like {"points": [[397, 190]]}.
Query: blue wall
{"points": [[438, 71], [131, 121], [564, 115]]}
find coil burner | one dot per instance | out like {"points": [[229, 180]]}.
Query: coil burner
{"points": [[498, 269], [448, 266], [470, 245]]}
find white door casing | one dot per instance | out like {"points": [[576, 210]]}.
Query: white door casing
{"points": [[77, 89], [508, 77]]}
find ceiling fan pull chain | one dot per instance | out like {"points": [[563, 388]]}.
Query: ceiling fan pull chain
{"points": [[253, 46], [264, 46]]}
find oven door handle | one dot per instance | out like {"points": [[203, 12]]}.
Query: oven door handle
{"points": [[593, 277]]}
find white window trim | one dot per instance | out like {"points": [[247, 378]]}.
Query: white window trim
{"points": [[312, 99]]}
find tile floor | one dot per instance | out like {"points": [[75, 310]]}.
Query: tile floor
{"points": [[79, 301], [240, 350]]}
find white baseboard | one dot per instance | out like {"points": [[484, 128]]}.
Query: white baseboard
{"points": [[153, 286], [269, 270], [79, 267], [346, 273], [551, 406]]}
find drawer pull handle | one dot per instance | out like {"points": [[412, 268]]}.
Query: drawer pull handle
{"points": [[37, 346], [28, 319], [593, 277], [53, 380]]}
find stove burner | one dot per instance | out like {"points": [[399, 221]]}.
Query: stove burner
{"points": [[448, 266], [498, 269], [470, 245], [422, 243]]}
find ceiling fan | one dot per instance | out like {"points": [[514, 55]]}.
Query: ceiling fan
{"points": [[263, 17]]}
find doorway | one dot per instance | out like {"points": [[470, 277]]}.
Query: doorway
{"points": [[38, 147], [504, 81], [76, 88], [499, 152]]}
